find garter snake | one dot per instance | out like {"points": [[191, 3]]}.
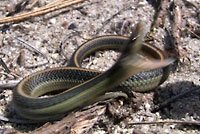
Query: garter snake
{"points": [[82, 85]]}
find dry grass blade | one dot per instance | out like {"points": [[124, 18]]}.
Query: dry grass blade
{"points": [[32, 4], [31, 47], [56, 5]]}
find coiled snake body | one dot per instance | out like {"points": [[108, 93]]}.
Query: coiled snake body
{"points": [[84, 85]]}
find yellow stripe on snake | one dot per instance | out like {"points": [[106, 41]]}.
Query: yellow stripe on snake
{"points": [[80, 86]]}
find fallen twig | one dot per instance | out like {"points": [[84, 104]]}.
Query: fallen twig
{"points": [[75, 123], [10, 75], [160, 14], [59, 127], [37, 65], [7, 70], [32, 4], [177, 25], [16, 121], [166, 122], [56, 5], [30, 47], [9, 85], [193, 33], [3, 64]]}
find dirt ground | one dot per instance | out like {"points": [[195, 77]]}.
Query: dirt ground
{"points": [[59, 33]]}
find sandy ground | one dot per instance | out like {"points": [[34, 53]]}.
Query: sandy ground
{"points": [[58, 34]]}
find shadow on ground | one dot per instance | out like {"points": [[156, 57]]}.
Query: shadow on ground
{"points": [[187, 106]]}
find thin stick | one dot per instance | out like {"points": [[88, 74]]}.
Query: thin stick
{"points": [[37, 65], [4, 66], [30, 47], [160, 14], [193, 33], [166, 122], [55, 3], [17, 121], [176, 26], [40, 11], [9, 85], [33, 4]]}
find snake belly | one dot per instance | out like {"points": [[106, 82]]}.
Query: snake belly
{"points": [[79, 85]]}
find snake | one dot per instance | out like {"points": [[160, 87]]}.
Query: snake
{"points": [[51, 93]]}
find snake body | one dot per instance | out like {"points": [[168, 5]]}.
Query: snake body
{"points": [[141, 82], [80, 86]]}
